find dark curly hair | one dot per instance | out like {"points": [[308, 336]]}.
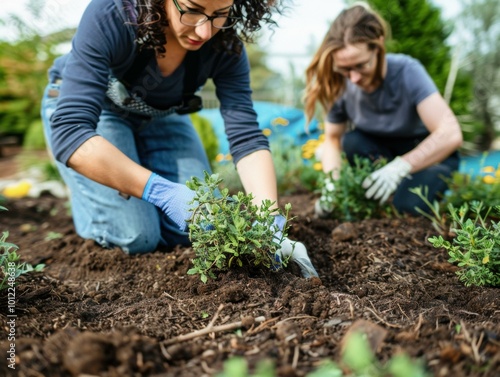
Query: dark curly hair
{"points": [[152, 20]]}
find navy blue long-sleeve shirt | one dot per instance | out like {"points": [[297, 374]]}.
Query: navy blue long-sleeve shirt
{"points": [[104, 45]]}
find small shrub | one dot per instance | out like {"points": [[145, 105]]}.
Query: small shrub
{"points": [[476, 246], [207, 135], [437, 215], [292, 173], [483, 187], [228, 231], [229, 175], [346, 197]]}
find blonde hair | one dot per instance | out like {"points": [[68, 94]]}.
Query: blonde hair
{"points": [[356, 24]]}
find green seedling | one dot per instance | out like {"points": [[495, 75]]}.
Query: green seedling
{"points": [[345, 197], [476, 247], [438, 219], [230, 231], [357, 361], [53, 236], [10, 266]]}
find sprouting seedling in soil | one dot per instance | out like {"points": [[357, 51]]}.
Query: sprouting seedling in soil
{"points": [[358, 361], [438, 219], [10, 267], [228, 231], [476, 247], [345, 197]]}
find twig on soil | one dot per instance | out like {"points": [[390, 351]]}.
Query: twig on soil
{"points": [[351, 307], [474, 342], [209, 329], [418, 325], [466, 312], [295, 357], [171, 297], [402, 311], [296, 317], [216, 315], [206, 368], [384, 321], [261, 326]]}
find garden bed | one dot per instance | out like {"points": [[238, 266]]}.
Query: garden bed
{"points": [[103, 313]]}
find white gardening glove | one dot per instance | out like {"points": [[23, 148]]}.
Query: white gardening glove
{"points": [[323, 207], [383, 182], [292, 250], [297, 253]]}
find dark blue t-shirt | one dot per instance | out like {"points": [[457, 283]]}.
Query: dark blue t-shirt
{"points": [[104, 45], [391, 110]]}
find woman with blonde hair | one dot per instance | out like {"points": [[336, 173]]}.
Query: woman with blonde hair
{"points": [[380, 105]]}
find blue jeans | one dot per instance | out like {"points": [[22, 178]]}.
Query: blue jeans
{"points": [[168, 146], [368, 146]]}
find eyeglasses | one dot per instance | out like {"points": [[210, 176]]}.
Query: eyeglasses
{"points": [[360, 68], [195, 18]]}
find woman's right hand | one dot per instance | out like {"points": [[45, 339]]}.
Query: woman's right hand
{"points": [[173, 198]]}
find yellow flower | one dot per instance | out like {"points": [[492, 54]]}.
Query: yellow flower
{"points": [[313, 143], [318, 166], [307, 155], [229, 157], [17, 190], [219, 157], [489, 179], [488, 169], [267, 131], [486, 259], [280, 122]]}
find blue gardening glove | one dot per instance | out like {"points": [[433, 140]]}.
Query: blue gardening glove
{"points": [[173, 199], [383, 182], [294, 250]]}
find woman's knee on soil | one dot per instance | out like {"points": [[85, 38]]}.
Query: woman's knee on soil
{"points": [[139, 241]]}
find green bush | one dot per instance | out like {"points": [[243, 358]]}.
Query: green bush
{"points": [[345, 196], [292, 172], [476, 245], [34, 139], [229, 231], [207, 135], [484, 187]]}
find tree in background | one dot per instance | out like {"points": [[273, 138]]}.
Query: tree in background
{"points": [[418, 30], [266, 84], [264, 81], [23, 74], [479, 41]]}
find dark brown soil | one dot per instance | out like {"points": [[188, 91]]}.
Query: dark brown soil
{"points": [[96, 312]]}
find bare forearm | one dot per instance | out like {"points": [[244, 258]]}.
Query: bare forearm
{"points": [[331, 159], [258, 176], [100, 161], [435, 148], [445, 134]]}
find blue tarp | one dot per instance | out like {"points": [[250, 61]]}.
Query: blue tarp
{"points": [[473, 164], [282, 123], [278, 122]]}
